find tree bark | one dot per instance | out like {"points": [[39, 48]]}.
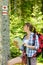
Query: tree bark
{"points": [[4, 32]]}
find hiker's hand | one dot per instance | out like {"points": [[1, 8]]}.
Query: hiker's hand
{"points": [[15, 43]]}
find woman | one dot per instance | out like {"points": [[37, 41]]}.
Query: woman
{"points": [[28, 43]]}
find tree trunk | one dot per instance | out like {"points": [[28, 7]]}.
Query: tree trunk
{"points": [[4, 32]]}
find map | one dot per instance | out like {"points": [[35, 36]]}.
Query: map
{"points": [[18, 41]]}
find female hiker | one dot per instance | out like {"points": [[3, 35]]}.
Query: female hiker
{"points": [[30, 47], [28, 43]]}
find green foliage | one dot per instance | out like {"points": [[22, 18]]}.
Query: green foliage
{"points": [[16, 29], [14, 51], [16, 26], [40, 59], [24, 11]]}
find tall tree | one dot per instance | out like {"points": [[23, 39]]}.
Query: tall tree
{"points": [[4, 33]]}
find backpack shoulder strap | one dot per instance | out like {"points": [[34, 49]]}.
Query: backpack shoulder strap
{"points": [[24, 48], [34, 37]]}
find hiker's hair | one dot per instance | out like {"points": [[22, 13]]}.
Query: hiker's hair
{"points": [[34, 29], [31, 27]]}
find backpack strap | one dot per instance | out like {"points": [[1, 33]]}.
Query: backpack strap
{"points": [[24, 47], [34, 38]]}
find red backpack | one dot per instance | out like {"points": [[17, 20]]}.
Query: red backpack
{"points": [[41, 40], [40, 37]]}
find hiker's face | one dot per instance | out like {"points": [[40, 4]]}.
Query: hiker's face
{"points": [[26, 29]]}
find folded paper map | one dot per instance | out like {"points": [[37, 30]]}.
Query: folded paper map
{"points": [[18, 41]]}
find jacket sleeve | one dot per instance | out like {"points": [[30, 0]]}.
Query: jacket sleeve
{"points": [[22, 48], [36, 42]]}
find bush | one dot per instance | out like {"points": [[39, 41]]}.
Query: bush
{"points": [[14, 51], [40, 59]]}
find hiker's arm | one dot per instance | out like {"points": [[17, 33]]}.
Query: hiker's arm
{"points": [[22, 48], [37, 42], [29, 46]]}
